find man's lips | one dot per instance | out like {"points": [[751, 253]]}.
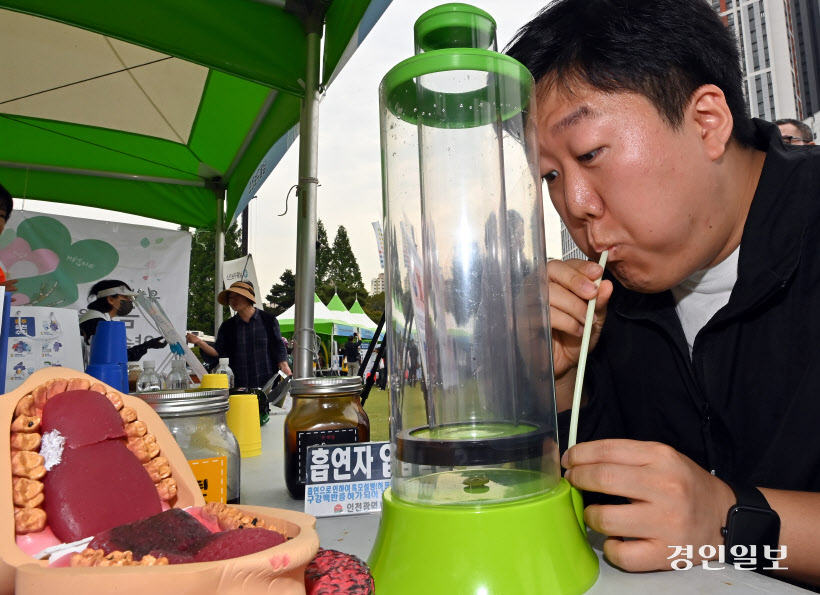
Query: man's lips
{"points": [[600, 247]]}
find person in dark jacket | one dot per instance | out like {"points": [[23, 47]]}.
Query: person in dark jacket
{"points": [[701, 397], [112, 298], [351, 354], [251, 339]]}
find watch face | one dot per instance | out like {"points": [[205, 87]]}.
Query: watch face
{"points": [[752, 526]]}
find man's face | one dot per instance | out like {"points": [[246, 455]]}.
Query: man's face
{"points": [[792, 136], [4, 217], [623, 180]]}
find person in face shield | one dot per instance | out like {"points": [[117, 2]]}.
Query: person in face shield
{"points": [[112, 298]]}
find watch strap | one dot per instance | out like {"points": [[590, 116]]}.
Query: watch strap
{"points": [[748, 495]]}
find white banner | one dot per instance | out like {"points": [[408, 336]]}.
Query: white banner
{"points": [[377, 229], [58, 259], [242, 269]]}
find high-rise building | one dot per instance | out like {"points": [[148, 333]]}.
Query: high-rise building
{"points": [[377, 284], [568, 247], [779, 54], [806, 26]]}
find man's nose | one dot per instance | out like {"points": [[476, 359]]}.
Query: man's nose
{"points": [[582, 200]]}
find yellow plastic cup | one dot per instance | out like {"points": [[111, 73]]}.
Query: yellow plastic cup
{"points": [[214, 381], [243, 420]]}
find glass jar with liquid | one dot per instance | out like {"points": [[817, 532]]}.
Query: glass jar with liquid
{"points": [[324, 411], [198, 423]]}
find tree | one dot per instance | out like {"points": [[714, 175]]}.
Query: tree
{"points": [[323, 255], [283, 294], [373, 306], [201, 275], [344, 268]]}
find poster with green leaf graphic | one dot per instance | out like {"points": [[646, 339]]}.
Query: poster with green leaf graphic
{"points": [[56, 260]]}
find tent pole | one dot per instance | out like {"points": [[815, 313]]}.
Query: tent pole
{"points": [[306, 230], [219, 255]]}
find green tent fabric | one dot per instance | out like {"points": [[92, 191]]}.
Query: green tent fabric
{"points": [[336, 304], [356, 308], [158, 107]]}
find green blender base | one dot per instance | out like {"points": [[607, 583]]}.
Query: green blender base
{"points": [[531, 546]]}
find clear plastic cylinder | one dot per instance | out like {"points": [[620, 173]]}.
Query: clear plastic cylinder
{"points": [[465, 260]]}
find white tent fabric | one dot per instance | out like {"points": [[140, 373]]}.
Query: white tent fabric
{"points": [[150, 94], [362, 321]]}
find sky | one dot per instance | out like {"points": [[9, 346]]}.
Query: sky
{"points": [[349, 164]]}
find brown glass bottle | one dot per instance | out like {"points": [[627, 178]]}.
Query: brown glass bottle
{"points": [[324, 411]]}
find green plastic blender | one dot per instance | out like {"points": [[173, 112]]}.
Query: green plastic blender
{"points": [[477, 504]]}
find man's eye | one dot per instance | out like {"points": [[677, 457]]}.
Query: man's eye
{"points": [[586, 157], [550, 177]]}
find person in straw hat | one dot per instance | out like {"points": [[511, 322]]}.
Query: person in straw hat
{"points": [[251, 339]]}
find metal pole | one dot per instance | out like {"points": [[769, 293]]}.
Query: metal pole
{"points": [[306, 217], [219, 255], [245, 222]]}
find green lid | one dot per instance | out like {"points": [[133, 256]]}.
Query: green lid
{"points": [[509, 86], [454, 25]]}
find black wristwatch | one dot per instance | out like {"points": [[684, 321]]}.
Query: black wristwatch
{"points": [[751, 521]]}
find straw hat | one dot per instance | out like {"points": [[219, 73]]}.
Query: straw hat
{"points": [[242, 288]]}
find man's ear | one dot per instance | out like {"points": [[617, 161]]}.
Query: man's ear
{"points": [[710, 113]]}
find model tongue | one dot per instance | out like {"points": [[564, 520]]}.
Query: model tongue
{"points": [[94, 482], [82, 417]]}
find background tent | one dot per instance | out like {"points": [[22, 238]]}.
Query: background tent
{"points": [[169, 108], [323, 318], [361, 319], [329, 325], [366, 326], [336, 306]]}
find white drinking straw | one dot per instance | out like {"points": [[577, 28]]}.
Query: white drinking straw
{"points": [[582, 360]]}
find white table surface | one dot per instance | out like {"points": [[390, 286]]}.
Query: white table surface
{"points": [[263, 484]]}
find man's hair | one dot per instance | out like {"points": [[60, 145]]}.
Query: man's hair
{"points": [[101, 304], [661, 49], [805, 129], [6, 202]]}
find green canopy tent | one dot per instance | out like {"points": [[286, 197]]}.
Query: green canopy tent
{"points": [[323, 319], [326, 324], [362, 320], [170, 108], [335, 304]]}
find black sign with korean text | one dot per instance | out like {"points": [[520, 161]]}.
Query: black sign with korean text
{"points": [[320, 437]]}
